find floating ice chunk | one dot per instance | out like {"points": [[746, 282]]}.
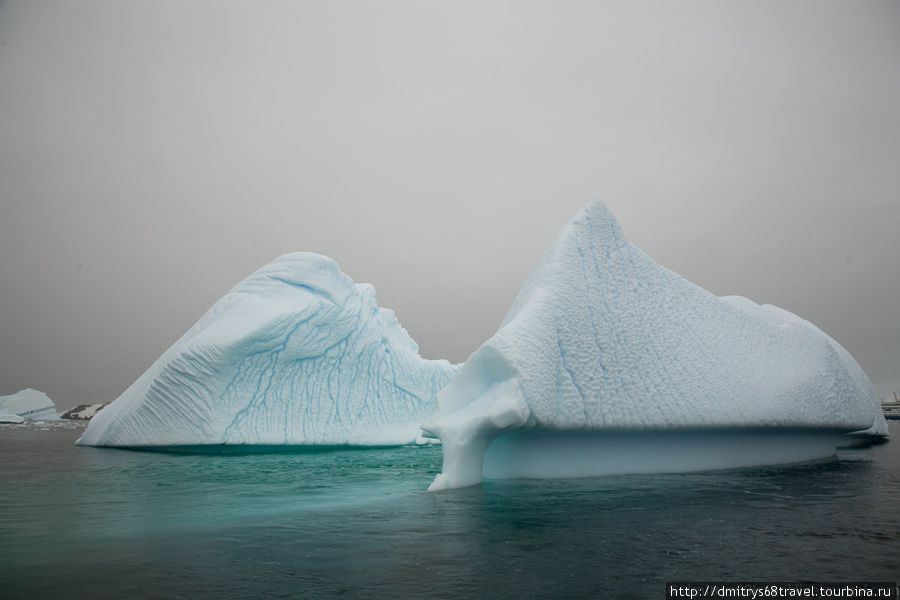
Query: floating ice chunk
{"points": [[30, 404], [296, 354], [8, 417], [608, 363]]}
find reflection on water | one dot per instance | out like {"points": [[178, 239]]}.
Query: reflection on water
{"points": [[108, 523]]}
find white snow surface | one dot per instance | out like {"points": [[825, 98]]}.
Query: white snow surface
{"points": [[603, 339], [295, 354], [30, 404]]}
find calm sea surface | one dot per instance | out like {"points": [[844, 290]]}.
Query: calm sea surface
{"points": [[99, 523]]}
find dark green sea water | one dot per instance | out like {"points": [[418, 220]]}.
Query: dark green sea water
{"points": [[97, 523]]}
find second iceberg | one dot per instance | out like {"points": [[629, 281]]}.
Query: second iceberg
{"points": [[609, 363], [296, 354]]}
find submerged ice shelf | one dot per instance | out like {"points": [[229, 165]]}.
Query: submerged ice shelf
{"points": [[609, 363], [295, 354]]}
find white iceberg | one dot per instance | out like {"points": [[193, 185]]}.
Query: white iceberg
{"points": [[609, 363], [30, 405], [295, 354]]}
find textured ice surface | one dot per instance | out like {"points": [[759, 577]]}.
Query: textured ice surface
{"points": [[30, 404], [601, 339], [861, 382], [296, 354]]}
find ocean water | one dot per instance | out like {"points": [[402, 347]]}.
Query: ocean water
{"points": [[100, 523]]}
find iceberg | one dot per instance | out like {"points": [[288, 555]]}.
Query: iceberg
{"points": [[295, 354], [30, 405], [609, 363]]}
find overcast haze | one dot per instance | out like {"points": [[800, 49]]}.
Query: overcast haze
{"points": [[152, 154]]}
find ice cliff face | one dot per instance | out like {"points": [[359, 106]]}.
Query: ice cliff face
{"points": [[294, 354], [30, 405], [603, 346]]}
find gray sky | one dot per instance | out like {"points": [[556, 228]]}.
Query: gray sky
{"points": [[152, 154]]}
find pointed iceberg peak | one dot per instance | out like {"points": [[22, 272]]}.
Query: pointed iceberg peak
{"points": [[609, 363], [295, 354], [588, 239], [596, 220], [593, 225]]}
